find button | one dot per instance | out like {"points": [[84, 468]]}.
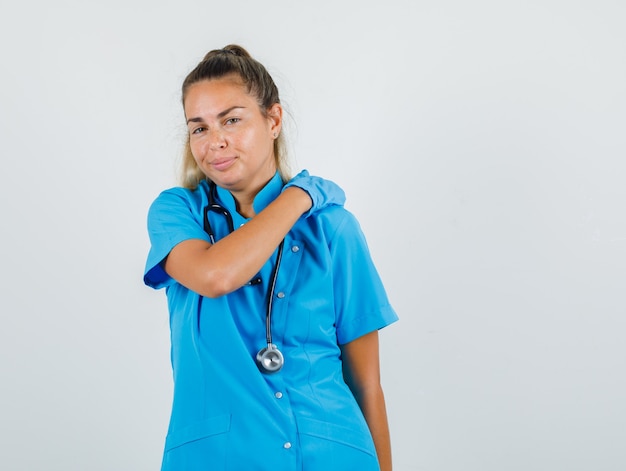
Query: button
{"points": [[287, 445], [278, 395], [281, 295], [295, 249]]}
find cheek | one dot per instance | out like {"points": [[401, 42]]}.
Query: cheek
{"points": [[258, 140], [196, 149]]}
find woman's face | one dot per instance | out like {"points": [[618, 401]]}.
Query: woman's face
{"points": [[231, 139]]}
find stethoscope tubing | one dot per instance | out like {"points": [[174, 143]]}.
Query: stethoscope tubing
{"points": [[270, 297], [269, 359]]}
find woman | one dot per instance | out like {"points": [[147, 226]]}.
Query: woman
{"points": [[274, 301]]}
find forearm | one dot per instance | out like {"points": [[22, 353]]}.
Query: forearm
{"points": [[214, 270], [372, 403], [258, 238], [361, 371]]}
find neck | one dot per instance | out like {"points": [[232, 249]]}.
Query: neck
{"points": [[246, 210], [245, 197]]}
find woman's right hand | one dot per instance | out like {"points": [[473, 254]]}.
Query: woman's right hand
{"points": [[322, 192]]}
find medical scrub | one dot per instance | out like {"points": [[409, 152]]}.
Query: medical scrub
{"points": [[226, 414]]}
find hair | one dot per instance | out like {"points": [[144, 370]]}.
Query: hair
{"points": [[233, 60]]}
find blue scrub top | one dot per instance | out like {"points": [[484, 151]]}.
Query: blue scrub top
{"points": [[226, 414]]}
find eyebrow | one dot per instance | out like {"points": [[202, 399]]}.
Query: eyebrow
{"points": [[220, 115]]}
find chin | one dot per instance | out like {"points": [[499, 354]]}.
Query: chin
{"points": [[228, 182]]}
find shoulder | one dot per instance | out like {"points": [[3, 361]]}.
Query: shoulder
{"points": [[176, 199], [174, 216], [336, 223], [338, 218]]}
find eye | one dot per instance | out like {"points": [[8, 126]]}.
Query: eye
{"points": [[233, 120], [198, 130]]}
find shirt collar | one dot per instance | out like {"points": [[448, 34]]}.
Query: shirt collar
{"points": [[263, 198]]}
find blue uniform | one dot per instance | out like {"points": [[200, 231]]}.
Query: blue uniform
{"points": [[226, 414]]}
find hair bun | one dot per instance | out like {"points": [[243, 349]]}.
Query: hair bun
{"points": [[232, 49], [237, 50]]}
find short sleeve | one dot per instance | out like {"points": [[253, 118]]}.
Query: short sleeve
{"points": [[175, 216], [361, 302]]}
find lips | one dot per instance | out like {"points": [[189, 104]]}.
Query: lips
{"points": [[222, 163]]}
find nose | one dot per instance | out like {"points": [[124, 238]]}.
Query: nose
{"points": [[217, 140]]}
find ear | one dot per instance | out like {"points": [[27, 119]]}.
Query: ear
{"points": [[275, 118]]}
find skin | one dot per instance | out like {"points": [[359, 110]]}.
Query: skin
{"points": [[232, 141], [361, 371]]}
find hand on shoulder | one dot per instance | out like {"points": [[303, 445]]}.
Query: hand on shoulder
{"points": [[322, 192]]}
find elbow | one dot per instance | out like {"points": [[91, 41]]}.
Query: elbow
{"points": [[201, 270], [217, 284]]}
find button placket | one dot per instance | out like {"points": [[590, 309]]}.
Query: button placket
{"points": [[287, 276]]}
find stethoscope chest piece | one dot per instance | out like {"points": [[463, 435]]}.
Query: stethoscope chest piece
{"points": [[269, 359]]}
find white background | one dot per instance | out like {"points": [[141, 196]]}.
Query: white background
{"points": [[481, 145]]}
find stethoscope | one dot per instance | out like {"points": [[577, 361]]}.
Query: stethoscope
{"points": [[269, 359]]}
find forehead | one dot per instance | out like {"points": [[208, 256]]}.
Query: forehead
{"points": [[216, 93]]}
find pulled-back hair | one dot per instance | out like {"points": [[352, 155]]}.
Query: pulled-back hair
{"points": [[233, 60]]}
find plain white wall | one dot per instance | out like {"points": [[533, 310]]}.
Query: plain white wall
{"points": [[481, 145]]}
